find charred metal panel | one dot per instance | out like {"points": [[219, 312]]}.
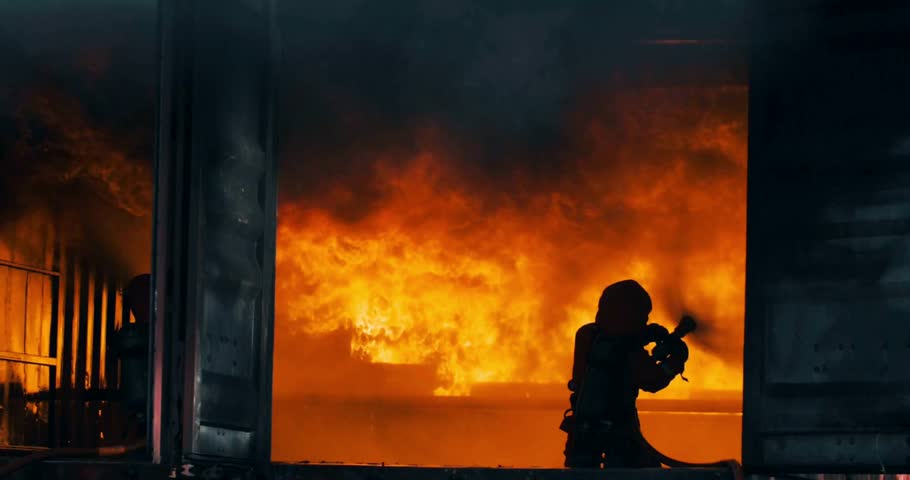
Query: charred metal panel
{"points": [[827, 386], [215, 233]]}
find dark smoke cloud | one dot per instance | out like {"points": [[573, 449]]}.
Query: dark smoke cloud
{"points": [[498, 78], [77, 105]]}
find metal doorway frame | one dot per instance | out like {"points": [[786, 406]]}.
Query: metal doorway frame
{"points": [[214, 243]]}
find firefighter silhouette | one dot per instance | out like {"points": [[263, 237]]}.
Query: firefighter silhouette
{"points": [[610, 366], [131, 346]]}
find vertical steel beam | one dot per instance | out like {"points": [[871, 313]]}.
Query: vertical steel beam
{"points": [[214, 251]]}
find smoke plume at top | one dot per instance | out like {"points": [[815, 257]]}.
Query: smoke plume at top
{"points": [[498, 80], [77, 129]]}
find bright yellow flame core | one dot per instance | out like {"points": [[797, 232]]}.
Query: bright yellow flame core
{"points": [[411, 302]]}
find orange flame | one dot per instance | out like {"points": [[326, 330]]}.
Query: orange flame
{"points": [[68, 148], [490, 286], [88, 179]]}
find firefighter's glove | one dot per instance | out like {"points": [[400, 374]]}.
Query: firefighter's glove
{"points": [[677, 348], [654, 333]]}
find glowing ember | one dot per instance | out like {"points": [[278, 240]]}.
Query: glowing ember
{"points": [[490, 286]]}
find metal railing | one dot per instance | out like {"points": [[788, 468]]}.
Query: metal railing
{"points": [[51, 361]]}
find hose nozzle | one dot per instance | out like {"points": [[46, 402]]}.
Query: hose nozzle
{"points": [[685, 327]]}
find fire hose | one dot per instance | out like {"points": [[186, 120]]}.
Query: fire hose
{"points": [[664, 349], [27, 460], [735, 468]]}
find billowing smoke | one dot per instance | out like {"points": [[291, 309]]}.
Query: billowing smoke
{"points": [[77, 118]]}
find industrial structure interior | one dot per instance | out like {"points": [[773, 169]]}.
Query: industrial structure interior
{"points": [[285, 239]]}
